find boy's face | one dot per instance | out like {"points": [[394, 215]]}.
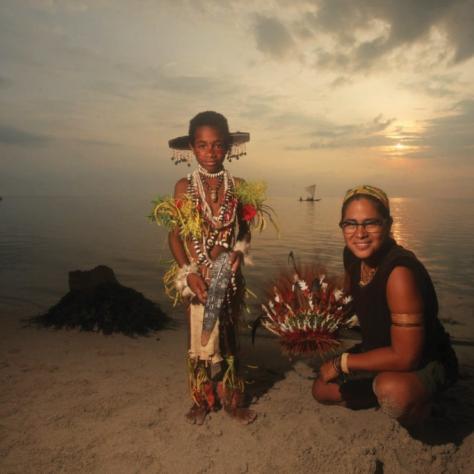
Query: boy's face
{"points": [[209, 148]]}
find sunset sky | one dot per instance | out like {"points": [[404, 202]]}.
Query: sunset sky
{"points": [[333, 92]]}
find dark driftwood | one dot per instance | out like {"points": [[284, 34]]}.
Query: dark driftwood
{"points": [[98, 302]]}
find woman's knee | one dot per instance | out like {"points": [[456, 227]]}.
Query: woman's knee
{"points": [[396, 394], [384, 385]]}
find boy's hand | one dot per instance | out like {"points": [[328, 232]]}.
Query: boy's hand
{"points": [[198, 286], [236, 259]]}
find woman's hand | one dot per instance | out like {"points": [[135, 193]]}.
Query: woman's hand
{"points": [[198, 286], [327, 371], [236, 259]]}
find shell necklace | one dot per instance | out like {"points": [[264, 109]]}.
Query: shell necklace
{"points": [[220, 220], [225, 218], [366, 274], [214, 192]]}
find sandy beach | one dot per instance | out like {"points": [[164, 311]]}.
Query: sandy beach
{"points": [[74, 401]]}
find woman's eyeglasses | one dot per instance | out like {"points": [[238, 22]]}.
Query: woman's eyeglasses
{"points": [[372, 226]]}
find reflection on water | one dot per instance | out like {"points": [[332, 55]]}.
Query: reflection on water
{"points": [[41, 239]]}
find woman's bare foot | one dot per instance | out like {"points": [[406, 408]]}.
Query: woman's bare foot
{"points": [[197, 414]]}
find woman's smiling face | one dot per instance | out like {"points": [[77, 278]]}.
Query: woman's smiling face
{"points": [[371, 229]]}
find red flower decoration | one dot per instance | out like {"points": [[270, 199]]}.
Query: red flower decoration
{"points": [[248, 212], [179, 203]]}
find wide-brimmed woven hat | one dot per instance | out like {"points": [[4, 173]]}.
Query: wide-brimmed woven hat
{"points": [[181, 147], [183, 143]]}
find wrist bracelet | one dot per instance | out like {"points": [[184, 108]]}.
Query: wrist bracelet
{"points": [[344, 366], [181, 280], [336, 363]]}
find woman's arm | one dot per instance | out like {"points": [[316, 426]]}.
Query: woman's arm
{"points": [[407, 331]]}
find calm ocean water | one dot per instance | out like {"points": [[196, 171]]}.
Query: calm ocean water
{"points": [[42, 239]]}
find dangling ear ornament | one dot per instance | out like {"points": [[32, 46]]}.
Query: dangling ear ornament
{"points": [[182, 153]]}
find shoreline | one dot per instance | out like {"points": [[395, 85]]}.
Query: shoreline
{"points": [[76, 401]]}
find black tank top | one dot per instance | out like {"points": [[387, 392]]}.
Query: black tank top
{"points": [[371, 307]]}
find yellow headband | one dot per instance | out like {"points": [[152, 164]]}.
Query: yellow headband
{"points": [[377, 193]]}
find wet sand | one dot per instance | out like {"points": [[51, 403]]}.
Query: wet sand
{"points": [[73, 401]]}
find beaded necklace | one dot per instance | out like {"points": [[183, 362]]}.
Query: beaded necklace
{"points": [[222, 224], [206, 173], [214, 192]]}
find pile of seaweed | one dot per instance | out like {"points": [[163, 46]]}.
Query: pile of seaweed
{"points": [[98, 302]]}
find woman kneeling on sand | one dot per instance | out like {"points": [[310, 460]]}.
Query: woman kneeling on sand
{"points": [[405, 356]]}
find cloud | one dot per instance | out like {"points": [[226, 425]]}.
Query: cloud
{"points": [[98, 143], [341, 81], [458, 25], [434, 86], [5, 82], [392, 25], [133, 82], [272, 36], [14, 136], [364, 135], [446, 137], [259, 106], [360, 35], [193, 85], [55, 5]]}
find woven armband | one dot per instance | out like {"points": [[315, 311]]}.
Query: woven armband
{"points": [[181, 281], [244, 247], [407, 320]]}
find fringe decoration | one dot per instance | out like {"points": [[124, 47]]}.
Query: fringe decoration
{"points": [[198, 379], [169, 279], [244, 247], [200, 384], [181, 282], [182, 156], [236, 151], [231, 381]]}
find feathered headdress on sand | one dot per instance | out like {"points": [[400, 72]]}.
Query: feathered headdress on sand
{"points": [[306, 310]]}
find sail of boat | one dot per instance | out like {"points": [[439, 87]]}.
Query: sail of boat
{"points": [[311, 190]]}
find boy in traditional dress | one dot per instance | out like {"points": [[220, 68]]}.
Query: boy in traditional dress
{"points": [[209, 274]]}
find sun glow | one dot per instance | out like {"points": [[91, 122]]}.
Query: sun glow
{"points": [[399, 150]]}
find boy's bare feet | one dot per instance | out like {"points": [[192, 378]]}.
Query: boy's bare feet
{"points": [[243, 415], [197, 414], [232, 402]]}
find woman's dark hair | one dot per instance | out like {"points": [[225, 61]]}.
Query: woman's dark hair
{"points": [[381, 209], [209, 119]]}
